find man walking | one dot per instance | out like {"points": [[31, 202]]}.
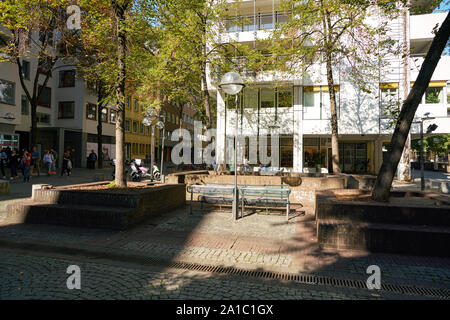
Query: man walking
{"points": [[26, 163], [14, 163], [92, 159], [54, 163], [3, 162], [36, 159]]}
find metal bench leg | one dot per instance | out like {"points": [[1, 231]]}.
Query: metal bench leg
{"points": [[242, 209], [287, 211], [190, 209]]}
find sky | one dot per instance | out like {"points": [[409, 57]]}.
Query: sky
{"points": [[444, 6]]}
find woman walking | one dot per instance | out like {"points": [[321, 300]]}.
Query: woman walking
{"points": [[67, 164], [48, 161]]}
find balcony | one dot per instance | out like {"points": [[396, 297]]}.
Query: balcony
{"points": [[255, 22]]}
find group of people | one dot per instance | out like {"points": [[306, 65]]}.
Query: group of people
{"points": [[30, 162]]}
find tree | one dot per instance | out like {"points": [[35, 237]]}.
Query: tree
{"points": [[385, 176], [23, 20], [95, 57], [333, 32]]}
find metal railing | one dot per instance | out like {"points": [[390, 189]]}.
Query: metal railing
{"points": [[260, 21]]}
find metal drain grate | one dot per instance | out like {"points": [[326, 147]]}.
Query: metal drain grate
{"points": [[306, 279]]}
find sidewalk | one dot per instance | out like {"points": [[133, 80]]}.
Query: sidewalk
{"points": [[257, 242]]}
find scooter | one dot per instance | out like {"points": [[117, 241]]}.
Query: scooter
{"points": [[139, 172]]}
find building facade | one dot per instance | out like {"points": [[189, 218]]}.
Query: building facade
{"points": [[296, 108]]}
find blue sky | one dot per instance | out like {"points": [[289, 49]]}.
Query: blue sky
{"points": [[444, 6]]}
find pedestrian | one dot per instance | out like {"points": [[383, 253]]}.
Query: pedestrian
{"points": [[3, 161], [55, 161], [26, 164], [36, 160], [92, 159], [67, 163], [48, 161], [14, 163]]}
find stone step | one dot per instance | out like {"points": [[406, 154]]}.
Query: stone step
{"points": [[386, 238], [409, 213], [86, 216]]}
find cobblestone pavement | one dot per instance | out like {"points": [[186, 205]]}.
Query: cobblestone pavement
{"points": [[32, 277]]}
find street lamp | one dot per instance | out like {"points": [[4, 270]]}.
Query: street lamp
{"points": [[430, 129], [232, 83], [162, 126], [150, 116]]}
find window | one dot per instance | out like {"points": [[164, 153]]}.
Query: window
{"points": [[308, 97], [45, 99], [127, 125], [448, 112], [285, 97], [24, 104], [45, 65], [7, 92], [135, 127], [43, 118], [128, 102], [433, 95], [91, 111], [250, 99], [141, 129], [66, 110], [389, 100], [267, 98], [287, 152], [136, 105], [26, 69], [105, 115], [147, 131], [112, 116], [67, 78], [448, 93]]}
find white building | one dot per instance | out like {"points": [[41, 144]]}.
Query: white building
{"points": [[297, 108], [66, 112]]}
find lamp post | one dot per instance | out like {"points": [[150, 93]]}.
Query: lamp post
{"points": [[232, 83], [430, 129], [162, 126], [149, 117]]}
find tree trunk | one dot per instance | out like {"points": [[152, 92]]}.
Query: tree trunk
{"points": [[206, 98], [383, 183], [99, 126], [120, 176], [326, 20], [33, 129], [334, 119], [404, 168]]}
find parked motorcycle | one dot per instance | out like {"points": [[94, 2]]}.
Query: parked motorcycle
{"points": [[139, 172]]}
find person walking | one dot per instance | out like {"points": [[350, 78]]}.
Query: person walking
{"points": [[26, 163], [14, 163], [54, 163], [92, 159], [67, 164], [3, 162], [48, 161], [36, 160]]}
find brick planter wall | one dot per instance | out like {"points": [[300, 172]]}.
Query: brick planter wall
{"points": [[97, 209]]}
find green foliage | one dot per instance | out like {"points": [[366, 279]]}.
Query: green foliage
{"points": [[437, 144]]}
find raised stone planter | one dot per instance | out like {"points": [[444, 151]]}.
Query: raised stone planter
{"points": [[97, 209], [410, 223]]}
